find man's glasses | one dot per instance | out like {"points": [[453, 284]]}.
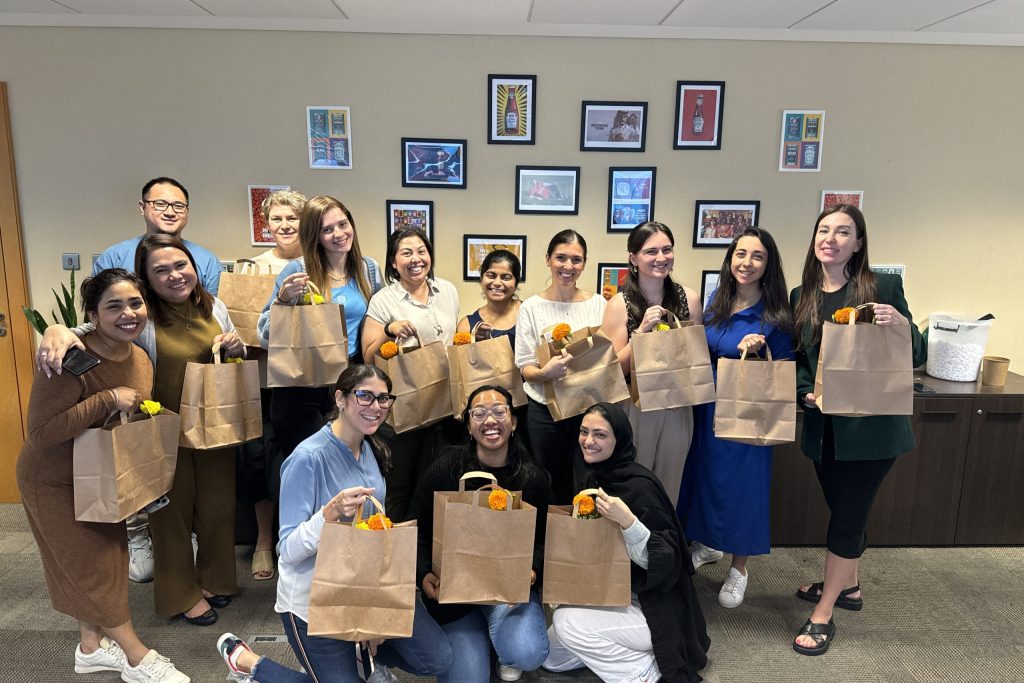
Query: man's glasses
{"points": [[161, 205], [498, 412], [366, 398]]}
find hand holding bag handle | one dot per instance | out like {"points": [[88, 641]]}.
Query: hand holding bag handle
{"points": [[853, 313], [358, 517]]}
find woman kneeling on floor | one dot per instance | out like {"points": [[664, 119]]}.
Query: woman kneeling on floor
{"points": [[661, 635]]}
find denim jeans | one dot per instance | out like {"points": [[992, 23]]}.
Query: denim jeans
{"points": [[426, 653], [517, 632]]}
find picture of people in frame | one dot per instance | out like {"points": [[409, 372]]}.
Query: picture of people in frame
{"points": [[725, 224]]}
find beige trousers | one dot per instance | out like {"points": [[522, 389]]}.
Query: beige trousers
{"points": [[662, 440]]}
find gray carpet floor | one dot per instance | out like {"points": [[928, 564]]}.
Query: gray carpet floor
{"points": [[931, 614]]}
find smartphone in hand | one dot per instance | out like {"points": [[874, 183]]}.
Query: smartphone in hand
{"points": [[79, 362]]}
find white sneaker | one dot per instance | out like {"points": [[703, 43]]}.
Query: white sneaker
{"points": [[508, 673], [381, 674], [733, 589], [700, 554], [107, 657], [195, 547], [154, 668], [140, 557]]}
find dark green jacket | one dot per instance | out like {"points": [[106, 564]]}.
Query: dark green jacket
{"points": [[856, 438]]}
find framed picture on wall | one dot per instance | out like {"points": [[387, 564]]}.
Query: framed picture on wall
{"points": [[548, 189], [259, 232], [699, 108], [630, 197], [892, 269], [511, 107], [475, 249], [329, 137], [427, 162], [830, 198], [708, 285], [403, 213], [716, 222], [613, 126], [803, 132], [611, 277]]}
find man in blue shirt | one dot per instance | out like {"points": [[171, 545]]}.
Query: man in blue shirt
{"points": [[164, 207]]}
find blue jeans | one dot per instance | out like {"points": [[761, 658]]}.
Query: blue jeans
{"points": [[426, 653], [518, 633]]}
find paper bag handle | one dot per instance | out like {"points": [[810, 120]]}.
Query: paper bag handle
{"points": [[475, 329], [767, 353], [589, 341], [492, 487], [358, 517], [853, 314], [311, 286], [475, 474], [215, 349], [244, 265], [115, 413], [576, 505]]}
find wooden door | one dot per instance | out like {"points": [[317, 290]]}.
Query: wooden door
{"points": [[16, 337]]}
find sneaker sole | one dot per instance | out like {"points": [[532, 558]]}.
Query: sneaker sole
{"points": [[93, 668], [697, 564]]}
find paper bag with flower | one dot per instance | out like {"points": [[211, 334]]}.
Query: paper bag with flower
{"points": [[220, 403], [245, 291], [419, 378], [483, 544], [593, 373], [120, 468], [585, 560], [308, 344], [671, 368], [364, 580], [474, 362], [864, 369]]}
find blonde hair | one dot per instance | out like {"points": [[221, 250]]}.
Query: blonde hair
{"points": [[290, 198]]}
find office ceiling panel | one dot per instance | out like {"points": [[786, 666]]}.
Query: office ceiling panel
{"points": [[608, 12], [150, 8], [272, 9], [884, 15], [777, 14]]}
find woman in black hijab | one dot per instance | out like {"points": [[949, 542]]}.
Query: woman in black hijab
{"points": [[661, 635]]}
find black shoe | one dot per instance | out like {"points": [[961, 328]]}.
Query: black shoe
{"points": [[207, 618], [219, 601]]}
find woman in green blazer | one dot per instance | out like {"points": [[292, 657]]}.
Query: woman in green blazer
{"points": [[851, 455]]}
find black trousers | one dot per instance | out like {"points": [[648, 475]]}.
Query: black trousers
{"points": [[556, 449], [412, 452], [296, 413], [850, 487]]}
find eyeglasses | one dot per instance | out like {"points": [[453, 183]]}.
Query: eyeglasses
{"points": [[498, 412], [366, 398], [161, 205]]}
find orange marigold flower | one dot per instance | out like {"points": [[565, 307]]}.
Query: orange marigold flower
{"points": [[388, 350], [586, 505], [498, 499], [562, 332], [842, 316], [379, 522], [461, 338]]}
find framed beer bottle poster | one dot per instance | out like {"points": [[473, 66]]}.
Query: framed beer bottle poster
{"points": [[699, 107], [803, 132], [512, 102]]}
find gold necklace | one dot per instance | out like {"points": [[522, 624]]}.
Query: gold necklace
{"points": [[334, 278], [188, 320]]}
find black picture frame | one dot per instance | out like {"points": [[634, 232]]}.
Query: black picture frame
{"points": [[394, 222], [694, 93], [548, 190], [476, 247], [497, 114], [707, 234], [610, 275], [630, 189], [600, 119], [423, 165]]}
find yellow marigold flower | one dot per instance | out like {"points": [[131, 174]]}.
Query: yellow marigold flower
{"points": [[499, 500], [388, 350], [233, 359], [461, 338], [661, 327], [312, 298], [842, 316], [363, 525], [151, 408], [562, 332]]}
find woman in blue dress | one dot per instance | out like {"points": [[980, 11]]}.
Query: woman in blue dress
{"points": [[725, 496]]}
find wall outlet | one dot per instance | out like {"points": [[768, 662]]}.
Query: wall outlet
{"points": [[69, 261]]}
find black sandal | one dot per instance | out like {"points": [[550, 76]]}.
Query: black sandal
{"points": [[822, 634], [813, 594]]}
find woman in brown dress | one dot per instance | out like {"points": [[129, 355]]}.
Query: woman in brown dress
{"points": [[62, 407]]}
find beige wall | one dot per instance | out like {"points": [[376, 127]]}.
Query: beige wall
{"points": [[932, 135]]}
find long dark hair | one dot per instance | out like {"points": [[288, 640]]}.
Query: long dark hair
{"points": [[199, 298], [391, 273], [773, 286], [349, 379], [523, 466], [93, 287], [863, 286], [636, 302], [310, 224]]}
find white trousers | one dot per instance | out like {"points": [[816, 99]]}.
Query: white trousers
{"points": [[613, 642]]}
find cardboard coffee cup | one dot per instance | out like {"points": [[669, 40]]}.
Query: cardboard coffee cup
{"points": [[993, 371]]}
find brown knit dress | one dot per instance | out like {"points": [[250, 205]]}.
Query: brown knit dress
{"points": [[85, 563]]}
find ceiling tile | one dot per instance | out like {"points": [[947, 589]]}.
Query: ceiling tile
{"points": [[1001, 16], [409, 12], [742, 13], [883, 15], [33, 7], [159, 8], [273, 9], [608, 12]]}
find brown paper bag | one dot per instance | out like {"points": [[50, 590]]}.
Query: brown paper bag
{"points": [[364, 582], [419, 378], [585, 560], [482, 556], [865, 369], [490, 361], [308, 344], [671, 368], [118, 471], [220, 403], [594, 374], [245, 292], [756, 400]]}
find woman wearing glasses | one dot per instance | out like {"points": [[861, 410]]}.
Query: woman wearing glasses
{"points": [[517, 632], [327, 479]]}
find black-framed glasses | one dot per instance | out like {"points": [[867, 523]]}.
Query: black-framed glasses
{"points": [[366, 398], [162, 204], [499, 412]]}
